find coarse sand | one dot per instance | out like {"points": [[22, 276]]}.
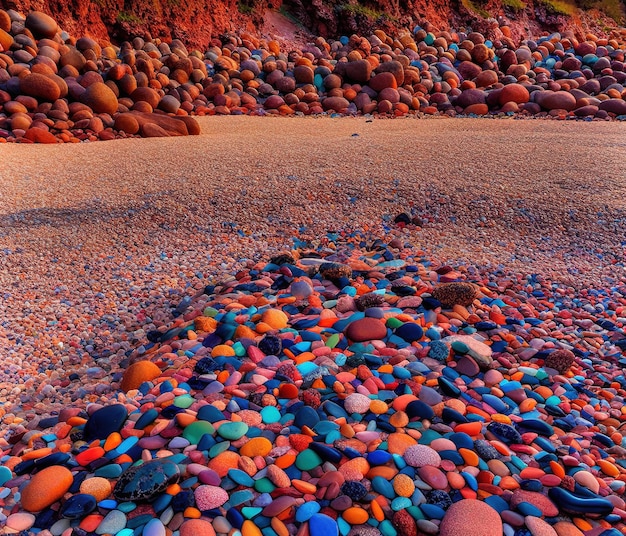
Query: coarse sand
{"points": [[99, 241]]}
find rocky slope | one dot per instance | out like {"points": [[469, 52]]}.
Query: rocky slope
{"points": [[195, 22]]}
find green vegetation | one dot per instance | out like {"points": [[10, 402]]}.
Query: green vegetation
{"points": [[515, 5], [125, 16], [358, 9], [470, 6], [244, 8], [611, 8], [559, 7]]}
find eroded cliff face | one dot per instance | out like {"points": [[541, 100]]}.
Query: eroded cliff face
{"points": [[195, 22]]}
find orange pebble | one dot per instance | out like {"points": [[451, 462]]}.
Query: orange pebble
{"points": [[279, 527], [582, 524], [286, 460], [184, 419], [557, 469], [37, 453], [303, 487], [91, 522], [76, 421], [532, 473], [469, 457], [192, 513], [114, 440], [87, 456], [288, 390], [469, 428], [508, 482], [355, 515], [397, 443]]}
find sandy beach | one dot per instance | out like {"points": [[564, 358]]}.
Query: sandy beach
{"points": [[100, 242]]}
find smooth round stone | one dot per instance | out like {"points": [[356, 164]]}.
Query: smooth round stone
{"points": [[419, 409], [209, 413], [146, 481], [307, 510], [422, 455], [196, 430], [20, 521], [5, 475], [270, 414], [210, 497], [365, 329], [429, 396], [357, 403], [585, 478], [154, 527], [577, 505], [178, 443], [323, 525], [469, 517], [197, 527], [410, 332], [307, 416], [46, 487], [232, 430], [378, 457], [183, 401], [538, 527], [114, 522], [104, 421], [307, 460], [78, 506], [433, 477]]}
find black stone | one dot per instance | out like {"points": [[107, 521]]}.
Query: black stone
{"points": [[104, 422]]}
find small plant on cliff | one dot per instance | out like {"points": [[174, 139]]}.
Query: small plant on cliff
{"points": [[358, 9], [244, 8], [125, 16], [559, 7], [611, 8], [515, 5], [470, 6]]}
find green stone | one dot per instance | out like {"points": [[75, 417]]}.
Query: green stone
{"points": [[307, 460], [264, 485], [210, 312], [232, 430], [218, 448], [183, 401], [270, 414], [196, 430], [333, 340], [394, 323], [460, 347], [239, 349], [113, 470]]}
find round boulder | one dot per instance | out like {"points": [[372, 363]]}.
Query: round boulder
{"points": [[513, 93], [100, 98], [40, 86], [41, 25]]}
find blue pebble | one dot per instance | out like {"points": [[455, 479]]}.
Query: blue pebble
{"points": [[308, 509]]}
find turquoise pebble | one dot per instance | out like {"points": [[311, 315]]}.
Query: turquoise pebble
{"points": [[250, 512], [127, 444], [270, 415], [126, 532], [400, 503], [5, 475], [307, 460], [415, 512], [305, 511], [126, 507], [386, 528], [383, 486], [240, 497], [460, 347], [343, 526], [232, 430], [432, 511], [240, 477], [113, 470]]}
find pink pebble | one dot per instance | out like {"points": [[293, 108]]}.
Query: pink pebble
{"points": [[209, 497], [20, 521]]}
